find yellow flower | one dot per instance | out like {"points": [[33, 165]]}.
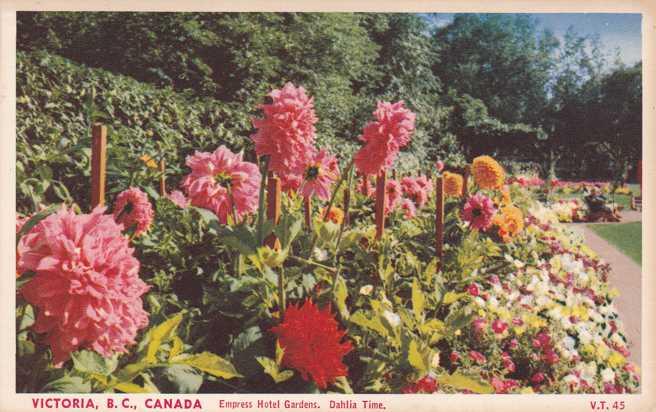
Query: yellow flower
{"points": [[603, 352], [510, 221], [336, 215], [616, 360], [453, 183], [587, 350], [149, 161], [487, 173]]}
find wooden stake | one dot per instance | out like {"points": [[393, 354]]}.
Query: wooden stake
{"points": [[347, 205], [162, 178], [273, 208], [381, 200], [98, 164], [307, 208], [439, 221], [394, 174], [465, 181], [365, 184]]}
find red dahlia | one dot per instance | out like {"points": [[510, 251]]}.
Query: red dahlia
{"points": [[312, 343]]}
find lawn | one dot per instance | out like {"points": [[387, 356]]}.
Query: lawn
{"points": [[619, 199], [627, 237]]}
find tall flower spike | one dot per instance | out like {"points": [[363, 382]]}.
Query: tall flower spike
{"points": [[384, 137], [86, 290], [312, 343], [219, 179]]}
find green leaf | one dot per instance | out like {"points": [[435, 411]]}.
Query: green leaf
{"points": [[418, 300], [127, 387], [176, 347], [459, 381], [271, 368], [340, 293], [210, 363], [280, 352], [288, 228], [161, 333], [416, 359], [68, 384], [451, 297], [152, 192], [360, 319], [87, 361], [183, 378]]}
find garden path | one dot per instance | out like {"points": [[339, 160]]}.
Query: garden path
{"points": [[626, 276]]}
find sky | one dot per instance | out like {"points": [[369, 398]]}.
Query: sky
{"points": [[616, 31]]}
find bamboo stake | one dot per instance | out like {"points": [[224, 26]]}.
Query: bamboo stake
{"points": [[307, 208], [439, 221], [273, 208], [98, 164], [347, 205], [162, 178], [465, 181], [381, 200]]}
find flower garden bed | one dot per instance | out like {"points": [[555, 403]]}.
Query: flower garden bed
{"points": [[293, 274]]}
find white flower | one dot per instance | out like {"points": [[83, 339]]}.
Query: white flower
{"points": [[607, 375], [584, 334], [366, 290], [435, 362], [569, 342], [479, 301], [320, 254], [493, 302], [392, 318], [589, 371]]}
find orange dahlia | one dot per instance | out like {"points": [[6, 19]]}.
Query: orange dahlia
{"points": [[510, 221], [311, 339], [335, 214], [487, 173], [453, 183]]}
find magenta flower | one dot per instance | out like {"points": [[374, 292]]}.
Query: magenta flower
{"points": [[287, 131], [132, 209], [537, 378], [86, 289], [409, 210], [415, 190], [499, 326], [319, 173], [178, 198], [479, 211], [220, 181], [394, 191], [384, 137], [477, 357], [473, 289], [439, 165]]}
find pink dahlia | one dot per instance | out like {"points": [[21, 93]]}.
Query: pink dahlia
{"points": [[178, 198], [409, 209], [319, 173], [394, 192], [415, 189], [86, 288], [366, 186], [286, 133], [479, 211], [384, 137], [222, 181], [133, 209]]}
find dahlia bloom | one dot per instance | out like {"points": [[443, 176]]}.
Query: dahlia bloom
{"points": [[286, 132], [453, 183], [427, 384], [487, 173], [479, 211], [510, 221], [312, 343], [221, 181], [439, 165], [384, 137], [86, 287], [409, 209], [394, 192], [335, 215], [366, 187], [132, 208], [178, 198], [319, 173], [415, 189]]}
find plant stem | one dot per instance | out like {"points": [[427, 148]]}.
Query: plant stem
{"points": [[311, 263], [281, 293], [330, 203], [260, 208]]}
